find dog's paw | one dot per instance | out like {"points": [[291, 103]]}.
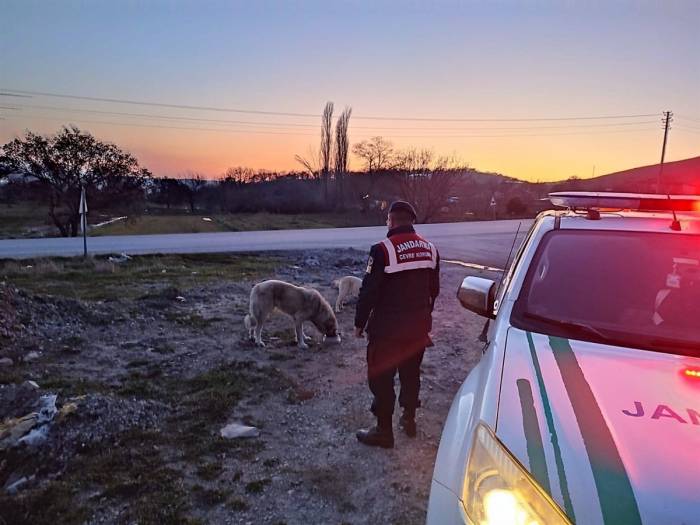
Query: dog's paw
{"points": [[260, 344], [303, 346]]}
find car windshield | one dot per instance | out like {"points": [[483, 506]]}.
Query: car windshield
{"points": [[634, 289]]}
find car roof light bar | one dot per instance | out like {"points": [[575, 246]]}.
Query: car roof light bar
{"points": [[582, 200]]}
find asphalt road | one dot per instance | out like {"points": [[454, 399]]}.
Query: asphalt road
{"points": [[475, 242]]}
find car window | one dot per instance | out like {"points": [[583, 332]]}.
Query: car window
{"points": [[635, 289], [510, 270]]}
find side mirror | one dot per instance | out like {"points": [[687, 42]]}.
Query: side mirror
{"points": [[478, 295]]}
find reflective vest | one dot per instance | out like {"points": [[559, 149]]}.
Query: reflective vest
{"points": [[408, 251]]}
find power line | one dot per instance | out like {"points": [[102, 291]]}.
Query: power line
{"points": [[16, 92], [686, 126], [694, 131], [270, 132], [125, 124], [315, 126], [688, 118]]}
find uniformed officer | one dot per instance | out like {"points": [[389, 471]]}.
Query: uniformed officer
{"points": [[395, 307]]}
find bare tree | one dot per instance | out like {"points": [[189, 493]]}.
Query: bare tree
{"points": [[378, 156], [377, 153], [310, 164], [426, 181], [342, 146], [326, 146], [231, 184], [239, 175], [194, 183]]}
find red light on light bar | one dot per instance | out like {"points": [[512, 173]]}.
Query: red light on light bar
{"points": [[693, 373]]}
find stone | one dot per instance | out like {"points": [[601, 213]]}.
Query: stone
{"points": [[236, 430], [6, 361], [32, 356]]}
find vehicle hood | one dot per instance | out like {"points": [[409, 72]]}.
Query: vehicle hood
{"points": [[613, 434]]}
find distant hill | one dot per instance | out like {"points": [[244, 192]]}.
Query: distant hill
{"points": [[680, 177]]}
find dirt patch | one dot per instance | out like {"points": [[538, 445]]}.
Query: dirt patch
{"points": [[156, 363]]}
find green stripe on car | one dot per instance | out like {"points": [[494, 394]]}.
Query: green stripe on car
{"points": [[533, 436], [568, 506], [617, 500]]}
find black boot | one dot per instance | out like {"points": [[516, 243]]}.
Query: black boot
{"points": [[380, 436], [407, 421]]}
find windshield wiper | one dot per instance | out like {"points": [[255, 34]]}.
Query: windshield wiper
{"points": [[580, 328]]}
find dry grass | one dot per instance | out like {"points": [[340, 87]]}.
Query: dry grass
{"points": [[95, 278], [185, 223], [15, 220]]}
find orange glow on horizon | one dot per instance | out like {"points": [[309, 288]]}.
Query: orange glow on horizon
{"points": [[175, 152]]}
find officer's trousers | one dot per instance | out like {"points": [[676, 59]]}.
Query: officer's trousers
{"points": [[385, 357]]}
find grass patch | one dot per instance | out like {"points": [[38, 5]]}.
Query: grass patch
{"points": [[97, 279], [43, 506], [209, 497], [130, 470], [71, 387], [271, 463], [278, 356], [237, 505], [10, 375], [155, 224], [209, 471], [256, 487], [16, 220], [232, 222], [134, 472], [190, 320]]}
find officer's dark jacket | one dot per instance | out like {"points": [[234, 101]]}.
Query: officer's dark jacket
{"points": [[397, 305]]}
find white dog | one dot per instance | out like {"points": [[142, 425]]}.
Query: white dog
{"points": [[301, 304], [348, 288]]}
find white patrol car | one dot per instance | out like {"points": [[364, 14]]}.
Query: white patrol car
{"points": [[585, 407]]}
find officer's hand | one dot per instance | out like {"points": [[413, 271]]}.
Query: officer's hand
{"points": [[359, 332]]}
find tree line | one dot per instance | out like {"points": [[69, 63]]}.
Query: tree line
{"points": [[56, 167]]}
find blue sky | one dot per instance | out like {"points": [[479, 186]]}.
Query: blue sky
{"points": [[406, 59]]}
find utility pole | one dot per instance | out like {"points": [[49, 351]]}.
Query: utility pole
{"points": [[83, 218], [668, 118]]}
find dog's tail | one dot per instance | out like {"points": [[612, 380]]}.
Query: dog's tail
{"points": [[250, 322]]}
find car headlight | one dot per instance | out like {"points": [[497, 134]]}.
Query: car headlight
{"points": [[499, 491]]}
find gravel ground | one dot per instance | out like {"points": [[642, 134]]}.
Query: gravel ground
{"points": [[155, 378]]}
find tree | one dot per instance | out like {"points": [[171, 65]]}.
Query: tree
{"points": [[378, 156], [427, 181], [70, 159], [231, 184], [170, 191], [515, 206], [310, 164], [326, 150], [342, 146], [194, 182]]}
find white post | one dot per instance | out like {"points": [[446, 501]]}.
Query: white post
{"points": [[83, 218]]}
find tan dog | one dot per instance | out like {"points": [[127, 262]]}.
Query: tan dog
{"points": [[348, 288], [301, 304]]}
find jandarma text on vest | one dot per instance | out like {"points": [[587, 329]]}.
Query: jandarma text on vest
{"points": [[408, 245]]}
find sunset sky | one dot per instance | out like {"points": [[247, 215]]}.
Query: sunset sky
{"points": [[493, 67]]}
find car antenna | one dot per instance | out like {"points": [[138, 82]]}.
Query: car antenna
{"points": [[482, 336], [505, 268], [675, 224]]}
